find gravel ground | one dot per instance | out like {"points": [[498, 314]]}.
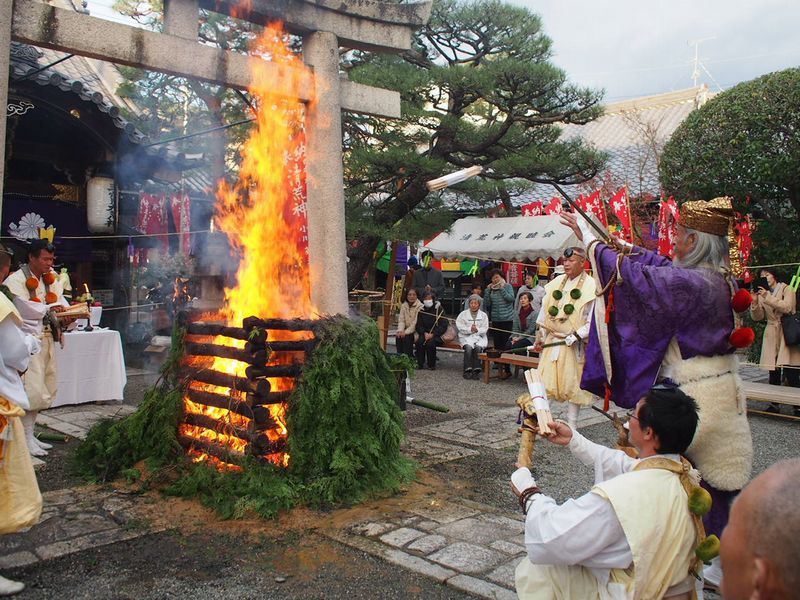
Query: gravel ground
{"points": [[209, 567], [188, 564]]}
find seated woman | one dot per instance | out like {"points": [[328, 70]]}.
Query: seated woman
{"points": [[472, 325], [431, 325], [524, 326], [407, 322]]}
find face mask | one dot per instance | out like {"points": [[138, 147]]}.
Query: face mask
{"points": [[428, 303]]}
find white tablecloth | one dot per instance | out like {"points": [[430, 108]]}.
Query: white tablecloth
{"points": [[91, 367]]}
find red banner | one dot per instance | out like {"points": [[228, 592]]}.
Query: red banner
{"points": [[667, 221], [180, 206], [620, 209], [514, 274], [554, 207], [593, 205], [533, 209], [744, 232]]}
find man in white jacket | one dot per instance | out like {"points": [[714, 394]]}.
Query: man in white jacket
{"points": [[472, 325]]}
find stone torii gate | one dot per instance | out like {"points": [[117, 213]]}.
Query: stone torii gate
{"points": [[324, 25]]}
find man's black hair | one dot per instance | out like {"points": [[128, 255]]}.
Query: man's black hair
{"points": [[494, 272], [35, 248], [673, 417]]}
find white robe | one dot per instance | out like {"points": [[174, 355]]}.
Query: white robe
{"points": [[584, 531]]}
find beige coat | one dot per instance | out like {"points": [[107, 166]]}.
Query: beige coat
{"points": [[407, 321], [774, 351]]}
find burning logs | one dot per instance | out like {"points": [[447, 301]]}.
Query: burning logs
{"points": [[217, 450], [220, 401], [252, 355], [259, 387], [285, 324], [245, 381]]}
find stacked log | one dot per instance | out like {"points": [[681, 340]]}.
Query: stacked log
{"points": [[249, 396]]}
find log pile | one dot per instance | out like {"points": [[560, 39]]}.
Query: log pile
{"points": [[240, 407]]}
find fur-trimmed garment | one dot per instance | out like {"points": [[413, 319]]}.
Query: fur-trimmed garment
{"points": [[722, 449]]}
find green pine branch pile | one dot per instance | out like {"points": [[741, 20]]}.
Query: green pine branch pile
{"points": [[345, 431]]}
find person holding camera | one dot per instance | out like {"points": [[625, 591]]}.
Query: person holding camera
{"points": [[773, 299]]}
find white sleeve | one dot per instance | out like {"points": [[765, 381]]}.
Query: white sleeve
{"points": [[584, 531], [540, 316], [607, 462], [462, 324], [583, 330], [14, 350]]}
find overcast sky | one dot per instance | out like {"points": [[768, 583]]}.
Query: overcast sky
{"points": [[640, 47]]}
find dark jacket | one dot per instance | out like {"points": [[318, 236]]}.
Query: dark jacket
{"points": [[432, 277], [427, 322]]}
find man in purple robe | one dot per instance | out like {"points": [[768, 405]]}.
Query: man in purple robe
{"points": [[669, 322]]}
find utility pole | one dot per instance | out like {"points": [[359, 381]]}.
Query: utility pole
{"points": [[697, 62]]}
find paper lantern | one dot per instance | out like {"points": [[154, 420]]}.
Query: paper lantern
{"points": [[101, 205]]}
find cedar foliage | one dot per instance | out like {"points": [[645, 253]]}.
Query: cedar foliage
{"points": [[345, 428], [345, 431]]}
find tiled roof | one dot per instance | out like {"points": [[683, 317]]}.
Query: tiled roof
{"points": [[629, 131], [92, 81]]}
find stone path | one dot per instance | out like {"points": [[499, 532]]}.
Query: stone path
{"points": [[76, 420], [73, 520], [468, 546]]}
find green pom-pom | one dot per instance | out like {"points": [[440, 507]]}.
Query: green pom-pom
{"points": [[552, 311], [569, 309], [575, 294], [558, 294]]}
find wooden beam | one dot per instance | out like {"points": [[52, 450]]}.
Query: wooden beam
{"points": [[41, 24], [47, 26], [364, 25]]}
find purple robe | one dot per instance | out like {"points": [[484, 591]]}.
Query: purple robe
{"points": [[655, 302]]}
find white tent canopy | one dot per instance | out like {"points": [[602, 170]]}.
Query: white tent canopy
{"points": [[505, 238]]}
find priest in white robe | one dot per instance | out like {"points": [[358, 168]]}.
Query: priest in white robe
{"points": [[632, 536], [20, 500]]}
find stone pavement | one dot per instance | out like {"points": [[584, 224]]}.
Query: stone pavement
{"points": [[76, 420], [74, 520], [466, 545]]}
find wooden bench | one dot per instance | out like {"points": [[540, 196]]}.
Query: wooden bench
{"points": [[517, 360], [763, 392]]}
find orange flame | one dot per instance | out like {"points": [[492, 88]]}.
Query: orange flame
{"points": [[260, 213], [263, 215]]}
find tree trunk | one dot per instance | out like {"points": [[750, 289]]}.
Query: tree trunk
{"points": [[360, 256]]}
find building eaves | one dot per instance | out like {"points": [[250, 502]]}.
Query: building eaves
{"points": [[86, 77]]}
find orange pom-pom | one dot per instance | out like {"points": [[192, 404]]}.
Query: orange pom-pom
{"points": [[742, 337], [51, 298], [31, 283], [35, 299], [49, 278], [741, 301]]}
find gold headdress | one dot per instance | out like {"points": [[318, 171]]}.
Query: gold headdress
{"points": [[717, 218]]}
